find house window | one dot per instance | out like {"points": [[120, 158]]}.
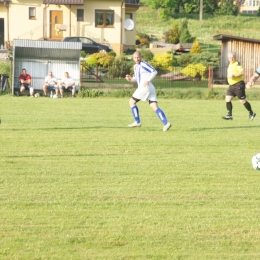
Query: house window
{"points": [[250, 3], [32, 13], [80, 14], [129, 16], [104, 18]]}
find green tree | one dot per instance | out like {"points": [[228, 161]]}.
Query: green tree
{"points": [[193, 6], [186, 37], [228, 7], [195, 47], [167, 7], [182, 6], [172, 36]]}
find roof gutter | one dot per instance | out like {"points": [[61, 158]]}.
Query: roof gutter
{"points": [[121, 28]]}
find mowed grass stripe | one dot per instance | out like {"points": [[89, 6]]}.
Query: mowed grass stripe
{"points": [[76, 183]]}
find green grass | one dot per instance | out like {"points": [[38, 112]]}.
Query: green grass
{"points": [[76, 183], [241, 25]]}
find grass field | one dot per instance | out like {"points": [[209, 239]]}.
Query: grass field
{"points": [[76, 183]]}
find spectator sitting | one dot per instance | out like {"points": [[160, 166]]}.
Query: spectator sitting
{"points": [[50, 83], [25, 82], [67, 82]]}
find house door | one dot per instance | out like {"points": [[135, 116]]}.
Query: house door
{"points": [[2, 32], [56, 18]]}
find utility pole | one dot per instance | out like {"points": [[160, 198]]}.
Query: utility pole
{"points": [[201, 11]]}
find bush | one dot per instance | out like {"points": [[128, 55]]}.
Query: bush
{"points": [[142, 35], [194, 70], [85, 92], [186, 37], [206, 58], [144, 42], [5, 67], [195, 47], [100, 59], [83, 54], [112, 53], [147, 55], [184, 60], [163, 61], [119, 68]]}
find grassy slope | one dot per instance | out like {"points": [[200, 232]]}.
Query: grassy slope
{"points": [[149, 22], [76, 183]]}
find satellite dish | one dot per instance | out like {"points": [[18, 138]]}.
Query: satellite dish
{"points": [[129, 24]]}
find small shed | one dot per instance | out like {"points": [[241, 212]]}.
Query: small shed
{"points": [[247, 51], [41, 57]]}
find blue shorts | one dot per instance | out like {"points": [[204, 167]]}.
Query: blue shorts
{"points": [[69, 88], [51, 87], [26, 86]]}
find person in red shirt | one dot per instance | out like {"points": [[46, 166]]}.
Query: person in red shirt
{"points": [[25, 82]]}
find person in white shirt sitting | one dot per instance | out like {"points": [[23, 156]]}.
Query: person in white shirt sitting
{"points": [[67, 82], [50, 84]]}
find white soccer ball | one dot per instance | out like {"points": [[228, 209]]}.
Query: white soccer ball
{"points": [[55, 96], [256, 161], [37, 95]]}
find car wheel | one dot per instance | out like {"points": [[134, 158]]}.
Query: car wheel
{"points": [[102, 50]]}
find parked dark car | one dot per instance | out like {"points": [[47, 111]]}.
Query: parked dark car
{"points": [[88, 45]]}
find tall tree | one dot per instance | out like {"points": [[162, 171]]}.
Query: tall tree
{"points": [[183, 6], [193, 6], [228, 7], [172, 36]]}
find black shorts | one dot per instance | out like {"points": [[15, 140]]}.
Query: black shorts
{"points": [[238, 90]]}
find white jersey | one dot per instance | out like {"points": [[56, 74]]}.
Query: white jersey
{"points": [[51, 80], [144, 72], [67, 81], [258, 70]]}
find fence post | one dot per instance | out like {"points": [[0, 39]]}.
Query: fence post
{"points": [[97, 73], [210, 77]]}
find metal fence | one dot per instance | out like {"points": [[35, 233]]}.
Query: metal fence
{"points": [[164, 79], [173, 79]]}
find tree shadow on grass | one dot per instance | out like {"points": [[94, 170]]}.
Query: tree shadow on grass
{"points": [[59, 155], [222, 128]]}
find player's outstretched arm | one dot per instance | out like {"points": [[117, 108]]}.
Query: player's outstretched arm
{"points": [[252, 80]]}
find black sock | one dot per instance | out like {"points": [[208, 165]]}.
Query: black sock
{"points": [[229, 108], [248, 107]]}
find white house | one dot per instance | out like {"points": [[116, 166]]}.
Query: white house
{"points": [[101, 20]]}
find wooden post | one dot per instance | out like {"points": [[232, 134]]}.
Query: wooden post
{"points": [[201, 11], [97, 73], [210, 77]]}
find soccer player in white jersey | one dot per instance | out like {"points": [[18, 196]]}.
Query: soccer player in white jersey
{"points": [[144, 73], [254, 78]]}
